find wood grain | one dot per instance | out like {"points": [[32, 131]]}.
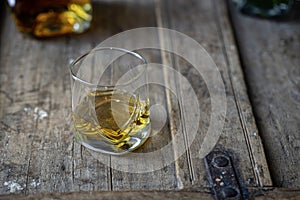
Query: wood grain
{"points": [[252, 139], [270, 53], [262, 194], [278, 193], [236, 137], [134, 195]]}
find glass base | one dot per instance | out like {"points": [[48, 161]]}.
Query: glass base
{"points": [[129, 144]]}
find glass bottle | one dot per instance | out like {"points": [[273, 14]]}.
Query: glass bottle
{"points": [[264, 8], [48, 18]]}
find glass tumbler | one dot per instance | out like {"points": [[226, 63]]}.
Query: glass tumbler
{"points": [[110, 103]]}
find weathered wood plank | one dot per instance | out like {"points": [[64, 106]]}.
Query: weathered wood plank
{"points": [[270, 53], [134, 195], [261, 194], [207, 29], [278, 193], [252, 139]]}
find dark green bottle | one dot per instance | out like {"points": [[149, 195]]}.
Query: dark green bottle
{"points": [[265, 8]]}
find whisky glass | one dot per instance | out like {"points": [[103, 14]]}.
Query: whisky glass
{"points": [[49, 18], [110, 101]]}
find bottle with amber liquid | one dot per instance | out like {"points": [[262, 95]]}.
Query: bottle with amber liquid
{"points": [[49, 18]]}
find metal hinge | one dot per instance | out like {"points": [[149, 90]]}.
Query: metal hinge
{"points": [[222, 177]]}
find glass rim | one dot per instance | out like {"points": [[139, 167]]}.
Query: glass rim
{"points": [[74, 62]]}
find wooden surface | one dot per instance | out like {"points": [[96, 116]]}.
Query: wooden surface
{"points": [[262, 194], [156, 195], [270, 53], [38, 153], [278, 193]]}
